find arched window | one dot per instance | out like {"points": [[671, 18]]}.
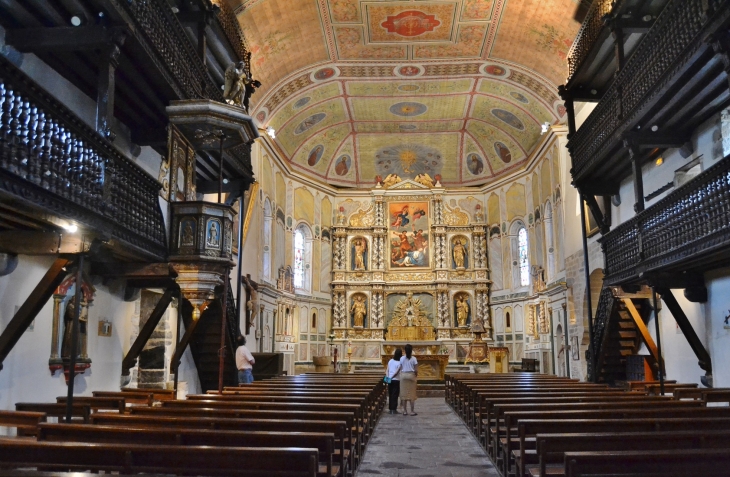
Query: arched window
{"points": [[314, 322], [302, 259], [524, 262], [507, 322], [298, 259]]}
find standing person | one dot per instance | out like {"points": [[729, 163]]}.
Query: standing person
{"points": [[244, 362], [408, 379], [394, 385]]}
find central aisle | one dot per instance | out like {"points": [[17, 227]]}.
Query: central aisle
{"points": [[434, 443]]}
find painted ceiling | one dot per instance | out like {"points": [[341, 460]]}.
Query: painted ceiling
{"points": [[360, 88]]}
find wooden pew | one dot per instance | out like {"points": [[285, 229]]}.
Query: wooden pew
{"points": [[79, 411], [132, 458], [655, 389], [356, 409], [337, 427], [344, 436], [157, 394], [551, 448], [324, 442], [145, 398], [511, 413], [118, 404], [641, 385], [24, 422], [667, 463], [530, 428]]}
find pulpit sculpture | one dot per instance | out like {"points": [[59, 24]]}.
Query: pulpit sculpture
{"points": [[239, 85]]}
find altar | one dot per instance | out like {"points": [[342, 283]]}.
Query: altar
{"points": [[431, 367]]}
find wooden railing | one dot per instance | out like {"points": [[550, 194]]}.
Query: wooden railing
{"points": [[51, 158], [691, 222], [173, 49], [666, 46], [600, 325], [232, 29], [589, 32]]}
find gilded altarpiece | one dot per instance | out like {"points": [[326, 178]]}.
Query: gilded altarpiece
{"points": [[409, 266]]}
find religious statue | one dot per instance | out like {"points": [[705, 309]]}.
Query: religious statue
{"points": [[213, 235], [188, 236], [358, 311], [479, 215], [462, 310], [68, 318], [360, 248], [459, 252], [239, 86], [424, 179], [340, 219], [391, 180]]}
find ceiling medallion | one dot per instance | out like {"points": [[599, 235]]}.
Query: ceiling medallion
{"points": [[309, 123], [408, 70], [410, 23], [494, 70], [324, 73], [508, 118], [408, 109]]}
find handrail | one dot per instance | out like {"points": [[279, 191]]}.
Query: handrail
{"points": [[589, 32], [600, 324], [692, 220], [677, 27], [168, 38], [49, 156]]}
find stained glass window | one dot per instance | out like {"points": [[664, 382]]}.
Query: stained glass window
{"points": [[524, 263], [298, 259]]}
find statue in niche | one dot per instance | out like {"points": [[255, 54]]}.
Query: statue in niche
{"points": [[68, 319], [188, 234], [213, 236], [459, 252], [358, 311], [462, 310], [360, 248]]}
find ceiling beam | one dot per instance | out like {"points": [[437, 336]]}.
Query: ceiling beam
{"points": [[61, 38]]}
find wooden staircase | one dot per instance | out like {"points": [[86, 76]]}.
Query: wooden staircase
{"points": [[620, 329], [206, 341]]}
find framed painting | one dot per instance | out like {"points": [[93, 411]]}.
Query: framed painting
{"points": [[408, 229]]}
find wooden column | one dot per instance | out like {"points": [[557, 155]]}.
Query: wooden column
{"points": [[105, 86]]}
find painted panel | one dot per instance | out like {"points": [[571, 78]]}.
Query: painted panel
{"points": [[408, 228]]}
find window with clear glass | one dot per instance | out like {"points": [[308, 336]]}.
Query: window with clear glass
{"points": [[524, 262], [298, 259]]}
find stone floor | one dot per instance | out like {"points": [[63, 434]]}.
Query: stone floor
{"points": [[435, 443]]}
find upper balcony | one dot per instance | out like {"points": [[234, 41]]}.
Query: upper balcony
{"points": [[138, 55], [56, 171], [674, 81], [688, 230], [609, 34]]}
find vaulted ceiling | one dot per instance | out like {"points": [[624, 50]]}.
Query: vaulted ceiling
{"points": [[359, 88]]}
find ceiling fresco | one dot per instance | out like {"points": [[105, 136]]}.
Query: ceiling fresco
{"points": [[359, 88]]}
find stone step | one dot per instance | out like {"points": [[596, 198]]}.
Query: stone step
{"points": [[430, 390]]}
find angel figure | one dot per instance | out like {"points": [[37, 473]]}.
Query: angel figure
{"points": [[391, 180], [239, 86], [424, 179]]}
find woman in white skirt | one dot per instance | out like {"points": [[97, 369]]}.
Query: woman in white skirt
{"points": [[408, 378]]}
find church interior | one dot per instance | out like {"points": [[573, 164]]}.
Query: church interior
{"points": [[533, 194]]}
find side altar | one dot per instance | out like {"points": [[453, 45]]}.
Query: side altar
{"points": [[409, 266]]}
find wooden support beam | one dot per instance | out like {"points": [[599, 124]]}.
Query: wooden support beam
{"points": [[146, 332], [35, 40], [598, 214], [105, 86], [705, 362], [638, 177], [133, 271], [643, 330], [32, 305], [30, 242], [185, 340], [653, 140]]}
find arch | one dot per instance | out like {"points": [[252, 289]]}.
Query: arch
{"points": [[302, 258], [499, 320], [314, 321], [518, 319], [507, 321], [495, 262], [519, 245]]}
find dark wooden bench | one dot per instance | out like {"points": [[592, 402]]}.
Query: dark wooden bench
{"points": [[324, 442], [551, 448], [145, 398], [529, 429], [668, 463], [506, 434], [337, 427], [79, 411], [132, 458], [115, 403], [24, 422], [157, 394]]}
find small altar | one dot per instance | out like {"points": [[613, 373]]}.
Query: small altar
{"points": [[430, 366]]}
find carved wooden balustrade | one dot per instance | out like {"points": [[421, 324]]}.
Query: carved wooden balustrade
{"points": [[589, 32], [231, 27], [688, 229], [600, 324], [676, 39], [172, 47], [50, 158]]}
